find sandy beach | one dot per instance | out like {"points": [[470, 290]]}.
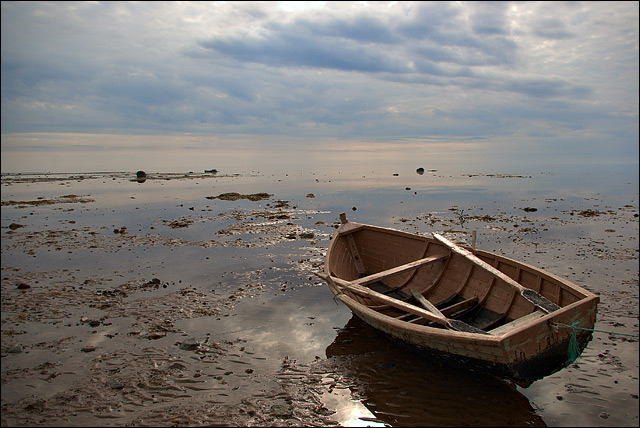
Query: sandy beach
{"points": [[189, 299]]}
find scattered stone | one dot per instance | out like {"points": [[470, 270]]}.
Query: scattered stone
{"points": [[115, 385], [15, 349], [175, 224], [589, 213], [420, 171], [88, 349], [189, 345], [14, 226], [141, 174], [530, 209], [23, 286], [211, 171], [282, 410], [155, 335]]}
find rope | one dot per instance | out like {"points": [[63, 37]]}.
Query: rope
{"points": [[573, 351]]}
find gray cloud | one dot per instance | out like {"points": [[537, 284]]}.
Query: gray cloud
{"points": [[342, 71]]}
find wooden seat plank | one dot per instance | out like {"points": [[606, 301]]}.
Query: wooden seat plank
{"points": [[460, 306], [398, 270], [518, 322]]}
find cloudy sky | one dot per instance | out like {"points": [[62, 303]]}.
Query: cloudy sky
{"points": [[552, 74]]}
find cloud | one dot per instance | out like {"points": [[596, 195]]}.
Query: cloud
{"points": [[334, 70]]}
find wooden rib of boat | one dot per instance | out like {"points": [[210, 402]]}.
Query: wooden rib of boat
{"points": [[483, 310]]}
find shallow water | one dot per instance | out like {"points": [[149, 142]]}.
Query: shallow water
{"points": [[150, 304]]}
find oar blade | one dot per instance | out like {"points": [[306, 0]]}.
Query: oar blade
{"points": [[539, 300], [464, 327]]}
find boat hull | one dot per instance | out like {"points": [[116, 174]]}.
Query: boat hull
{"points": [[523, 343]]}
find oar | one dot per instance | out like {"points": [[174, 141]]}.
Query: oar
{"points": [[437, 318], [528, 294]]}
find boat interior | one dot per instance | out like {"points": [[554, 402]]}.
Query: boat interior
{"points": [[422, 272]]}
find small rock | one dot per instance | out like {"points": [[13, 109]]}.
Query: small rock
{"points": [[189, 345], [115, 385], [15, 349], [141, 174], [23, 286], [282, 410], [88, 349], [420, 171], [154, 335]]}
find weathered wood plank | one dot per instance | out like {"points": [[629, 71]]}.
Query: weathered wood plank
{"points": [[519, 322], [460, 306], [397, 270], [426, 303]]}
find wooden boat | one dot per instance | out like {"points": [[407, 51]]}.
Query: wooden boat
{"points": [[479, 309]]}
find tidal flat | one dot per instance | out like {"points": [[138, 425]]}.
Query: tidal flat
{"points": [[189, 299]]}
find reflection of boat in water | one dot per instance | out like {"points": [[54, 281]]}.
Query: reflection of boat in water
{"points": [[481, 310], [401, 388]]}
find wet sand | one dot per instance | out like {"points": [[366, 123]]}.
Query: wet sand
{"points": [[189, 299]]}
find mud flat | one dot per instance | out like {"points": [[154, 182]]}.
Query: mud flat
{"points": [[189, 300]]}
